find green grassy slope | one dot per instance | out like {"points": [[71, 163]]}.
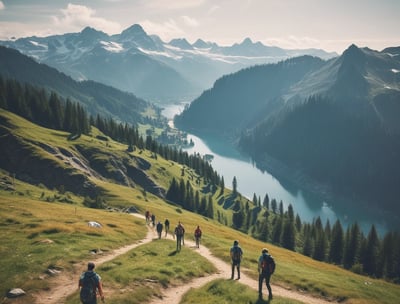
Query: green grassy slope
{"points": [[44, 228]]}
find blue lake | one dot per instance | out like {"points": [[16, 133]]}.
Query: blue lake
{"points": [[229, 163]]}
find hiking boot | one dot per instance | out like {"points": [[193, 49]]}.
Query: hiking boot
{"points": [[270, 297]]}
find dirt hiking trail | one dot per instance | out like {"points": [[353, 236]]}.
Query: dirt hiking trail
{"points": [[65, 284]]}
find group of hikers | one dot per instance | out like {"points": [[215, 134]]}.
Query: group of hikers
{"points": [[90, 281], [265, 267], [179, 231]]}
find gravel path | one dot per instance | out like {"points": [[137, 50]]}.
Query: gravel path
{"points": [[63, 285]]}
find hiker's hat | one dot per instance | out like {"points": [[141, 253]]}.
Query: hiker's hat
{"points": [[264, 250]]}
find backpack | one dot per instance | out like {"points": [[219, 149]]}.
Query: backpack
{"points": [[236, 254], [88, 290], [268, 264], [197, 233], [179, 230]]}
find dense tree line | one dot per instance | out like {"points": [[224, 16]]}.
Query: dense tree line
{"points": [[184, 195], [46, 109], [359, 150], [349, 248]]}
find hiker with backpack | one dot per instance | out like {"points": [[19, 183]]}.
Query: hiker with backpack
{"points": [[197, 236], [89, 282], [236, 255], [179, 232], [159, 228], [266, 267], [166, 226]]}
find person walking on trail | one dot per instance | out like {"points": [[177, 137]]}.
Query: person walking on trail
{"points": [[166, 226], [159, 228], [147, 215], [266, 267], [236, 256], [89, 282], [179, 233], [153, 220], [197, 236]]}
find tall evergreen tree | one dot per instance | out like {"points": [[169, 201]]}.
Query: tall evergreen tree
{"points": [[210, 208], [288, 238], [336, 244], [371, 254], [352, 246], [266, 201], [277, 231], [274, 205], [234, 185]]}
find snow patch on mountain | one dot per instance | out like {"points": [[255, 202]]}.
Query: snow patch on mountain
{"points": [[158, 53], [38, 44], [395, 71], [112, 47]]}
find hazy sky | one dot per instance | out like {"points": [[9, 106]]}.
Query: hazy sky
{"points": [[328, 24]]}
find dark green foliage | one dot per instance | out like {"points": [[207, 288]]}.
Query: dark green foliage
{"points": [[321, 136], [337, 243], [96, 203], [95, 97], [234, 185], [352, 246], [371, 258], [243, 95], [288, 235], [50, 111]]}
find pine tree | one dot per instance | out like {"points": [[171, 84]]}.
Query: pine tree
{"points": [[266, 201], [210, 208], [274, 205], [288, 235], [281, 208], [352, 246], [234, 185], [277, 231], [336, 244], [371, 253], [173, 191], [291, 213], [298, 223], [222, 185]]}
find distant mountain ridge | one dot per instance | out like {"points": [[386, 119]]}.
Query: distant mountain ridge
{"points": [[145, 65], [96, 97], [335, 121]]}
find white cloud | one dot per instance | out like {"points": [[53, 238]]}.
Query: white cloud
{"points": [[174, 5], [76, 17], [190, 21], [1, 5], [213, 9], [166, 30]]}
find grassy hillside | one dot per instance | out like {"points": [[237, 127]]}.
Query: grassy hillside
{"points": [[46, 228]]}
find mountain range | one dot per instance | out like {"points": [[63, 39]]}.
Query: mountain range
{"points": [[335, 121], [145, 65], [97, 98]]}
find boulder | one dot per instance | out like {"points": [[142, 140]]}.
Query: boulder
{"points": [[15, 293]]}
